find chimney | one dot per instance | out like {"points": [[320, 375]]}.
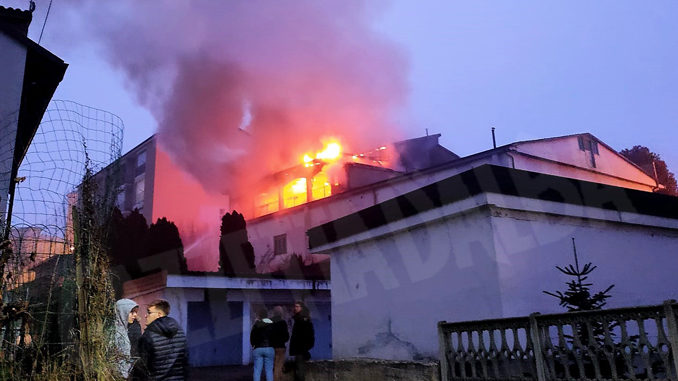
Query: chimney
{"points": [[16, 19]]}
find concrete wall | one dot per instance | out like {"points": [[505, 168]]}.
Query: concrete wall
{"points": [[389, 293], [640, 261], [487, 258], [13, 63]]}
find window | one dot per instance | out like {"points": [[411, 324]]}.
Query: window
{"points": [[266, 203], [587, 144], [590, 145], [294, 193], [120, 198], [580, 140], [594, 146], [280, 244], [320, 186], [141, 159], [139, 188]]}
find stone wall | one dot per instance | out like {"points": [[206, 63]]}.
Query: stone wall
{"points": [[370, 370]]}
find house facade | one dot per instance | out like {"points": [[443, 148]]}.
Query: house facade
{"points": [[579, 156], [461, 245], [482, 244], [277, 221], [29, 75]]}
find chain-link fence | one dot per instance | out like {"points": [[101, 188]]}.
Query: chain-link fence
{"points": [[39, 296]]}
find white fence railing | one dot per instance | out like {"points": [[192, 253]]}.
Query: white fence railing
{"points": [[638, 343]]}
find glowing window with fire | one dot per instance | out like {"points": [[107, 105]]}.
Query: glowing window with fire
{"points": [[266, 203], [317, 177], [280, 244], [294, 193]]}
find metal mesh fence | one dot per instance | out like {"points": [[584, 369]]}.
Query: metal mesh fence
{"points": [[38, 292]]}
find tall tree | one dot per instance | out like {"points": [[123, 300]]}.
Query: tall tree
{"points": [[644, 158], [137, 249], [236, 253], [128, 241], [165, 243]]}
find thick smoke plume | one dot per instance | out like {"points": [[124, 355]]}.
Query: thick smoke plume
{"points": [[241, 89]]}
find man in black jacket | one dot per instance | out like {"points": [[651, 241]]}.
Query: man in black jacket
{"points": [[302, 340], [162, 348]]}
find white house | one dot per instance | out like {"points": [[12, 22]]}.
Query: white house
{"points": [[578, 156], [484, 243], [151, 182], [29, 75]]}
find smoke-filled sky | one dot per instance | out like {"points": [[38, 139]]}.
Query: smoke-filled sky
{"points": [[368, 71]]}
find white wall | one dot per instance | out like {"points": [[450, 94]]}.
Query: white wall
{"points": [[641, 262], [445, 270], [12, 64], [484, 262]]}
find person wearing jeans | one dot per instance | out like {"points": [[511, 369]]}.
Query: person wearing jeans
{"points": [[260, 339]]}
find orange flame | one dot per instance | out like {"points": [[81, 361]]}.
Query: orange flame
{"points": [[331, 152]]}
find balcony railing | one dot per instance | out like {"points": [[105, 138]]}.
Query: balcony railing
{"points": [[638, 343]]}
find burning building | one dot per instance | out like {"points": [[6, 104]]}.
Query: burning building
{"points": [[277, 229], [333, 171], [325, 186], [334, 181]]}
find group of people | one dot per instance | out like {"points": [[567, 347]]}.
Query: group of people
{"points": [[269, 335], [160, 353]]}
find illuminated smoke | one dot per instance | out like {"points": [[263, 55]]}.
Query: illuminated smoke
{"points": [[241, 88]]}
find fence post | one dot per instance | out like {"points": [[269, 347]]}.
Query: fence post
{"points": [[672, 325], [537, 347], [443, 346]]}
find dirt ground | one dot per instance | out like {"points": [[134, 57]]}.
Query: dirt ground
{"points": [[214, 373]]}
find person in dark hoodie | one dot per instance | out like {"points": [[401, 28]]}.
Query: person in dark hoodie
{"points": [[260, 338], [134, 332], [302, 340], [162, 348], [280, 337]]}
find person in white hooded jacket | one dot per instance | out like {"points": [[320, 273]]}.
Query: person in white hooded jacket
{"points": [[123, 309]]}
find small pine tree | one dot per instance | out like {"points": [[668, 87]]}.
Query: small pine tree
{"points": [[578, 296]]}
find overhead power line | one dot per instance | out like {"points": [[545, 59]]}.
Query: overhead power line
{"points": [[46, 16]]}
